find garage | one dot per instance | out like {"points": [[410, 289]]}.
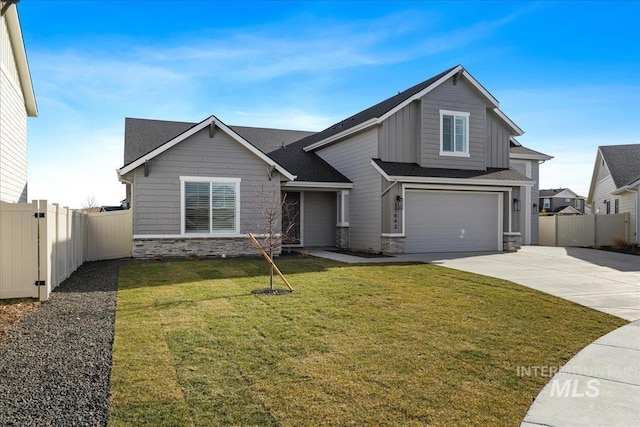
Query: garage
{"points": [[452, 221]]}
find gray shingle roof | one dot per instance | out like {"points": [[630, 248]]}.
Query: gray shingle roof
{"points": [[623, 162], [142, 136], [308, 167], [372, 112], [415, 170], [268, 140]]}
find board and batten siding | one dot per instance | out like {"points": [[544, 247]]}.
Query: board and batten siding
{"points": [[157, 202], [461, 98], [319, 218], [497, 142], [535, 197], [352, 158], [13, 126], [399, 135]]}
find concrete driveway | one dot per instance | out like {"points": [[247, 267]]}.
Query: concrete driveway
{"points": [[604, 281]]}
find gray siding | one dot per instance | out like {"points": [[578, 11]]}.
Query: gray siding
{"points": [[156, 198], [497, 142], [319, 218], [352, 158], [399, 135], [460, 97]]}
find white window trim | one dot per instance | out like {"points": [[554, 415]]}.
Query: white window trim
{"points": [[454, 114], [185, 179]]}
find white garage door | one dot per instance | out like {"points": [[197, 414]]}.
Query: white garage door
{"points": [[438, 221]]}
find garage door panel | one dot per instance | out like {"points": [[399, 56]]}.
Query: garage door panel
{"points": [[451, 221]]}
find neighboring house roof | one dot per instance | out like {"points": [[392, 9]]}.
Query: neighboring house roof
{"points": [[568, 210], [404, 171], [376, 114], [623, 162], [555, 191], [20, 55]]}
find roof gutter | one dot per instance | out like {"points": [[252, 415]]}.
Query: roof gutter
{"points": [[17, 44]]}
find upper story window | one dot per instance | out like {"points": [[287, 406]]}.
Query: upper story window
{"points": [[578, 204], [546, 203], [454, 133], [210, 205]]}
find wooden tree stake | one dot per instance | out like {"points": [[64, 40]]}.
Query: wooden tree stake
{"points": [[269, 260]]}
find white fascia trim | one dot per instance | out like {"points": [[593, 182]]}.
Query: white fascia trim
{"points": [[17, 45], [383, 173], [508, 121], [516, 156], [254, 150], [461, 181], [211, 120], [167, 145], [422, 93], [311, 184], [454, 188], [371, 122], [494, 102], [392, 235]]}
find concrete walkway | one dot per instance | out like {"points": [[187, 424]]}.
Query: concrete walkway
{"points": [[600, 386]]}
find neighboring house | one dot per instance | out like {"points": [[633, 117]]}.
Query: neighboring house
{"points": [[433, 168], [614, 184], [17, 102], [561, 200]]}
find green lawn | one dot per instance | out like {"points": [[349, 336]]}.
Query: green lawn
{"points": [[408, 345]]}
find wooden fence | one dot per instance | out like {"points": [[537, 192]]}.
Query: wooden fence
{"points": [[41, 244], [584, 230]]}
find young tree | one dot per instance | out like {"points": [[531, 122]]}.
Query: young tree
{"points": [[277, 222]]}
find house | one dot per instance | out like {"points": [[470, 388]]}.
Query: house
{"points": [[17, 102], [561, 201], [433, 168], [614, 184]]}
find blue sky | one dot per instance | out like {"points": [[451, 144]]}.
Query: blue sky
{"points": [[568, 73]]}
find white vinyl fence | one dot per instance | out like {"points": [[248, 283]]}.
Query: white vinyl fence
{"points": [[41, 244], [584, 230]]}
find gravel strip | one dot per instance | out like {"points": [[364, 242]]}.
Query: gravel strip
{"points": [[55, 364]]}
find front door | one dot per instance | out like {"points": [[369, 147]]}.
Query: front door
{"points": [[291, 219]]}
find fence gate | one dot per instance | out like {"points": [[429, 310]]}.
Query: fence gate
{"points": [[19, 250], [584, 230]]}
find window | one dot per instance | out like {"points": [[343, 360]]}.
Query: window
{"points": [[454, 133], [608, 204], [616, 206], [579, 204], [210, 205], [546, 203]]}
